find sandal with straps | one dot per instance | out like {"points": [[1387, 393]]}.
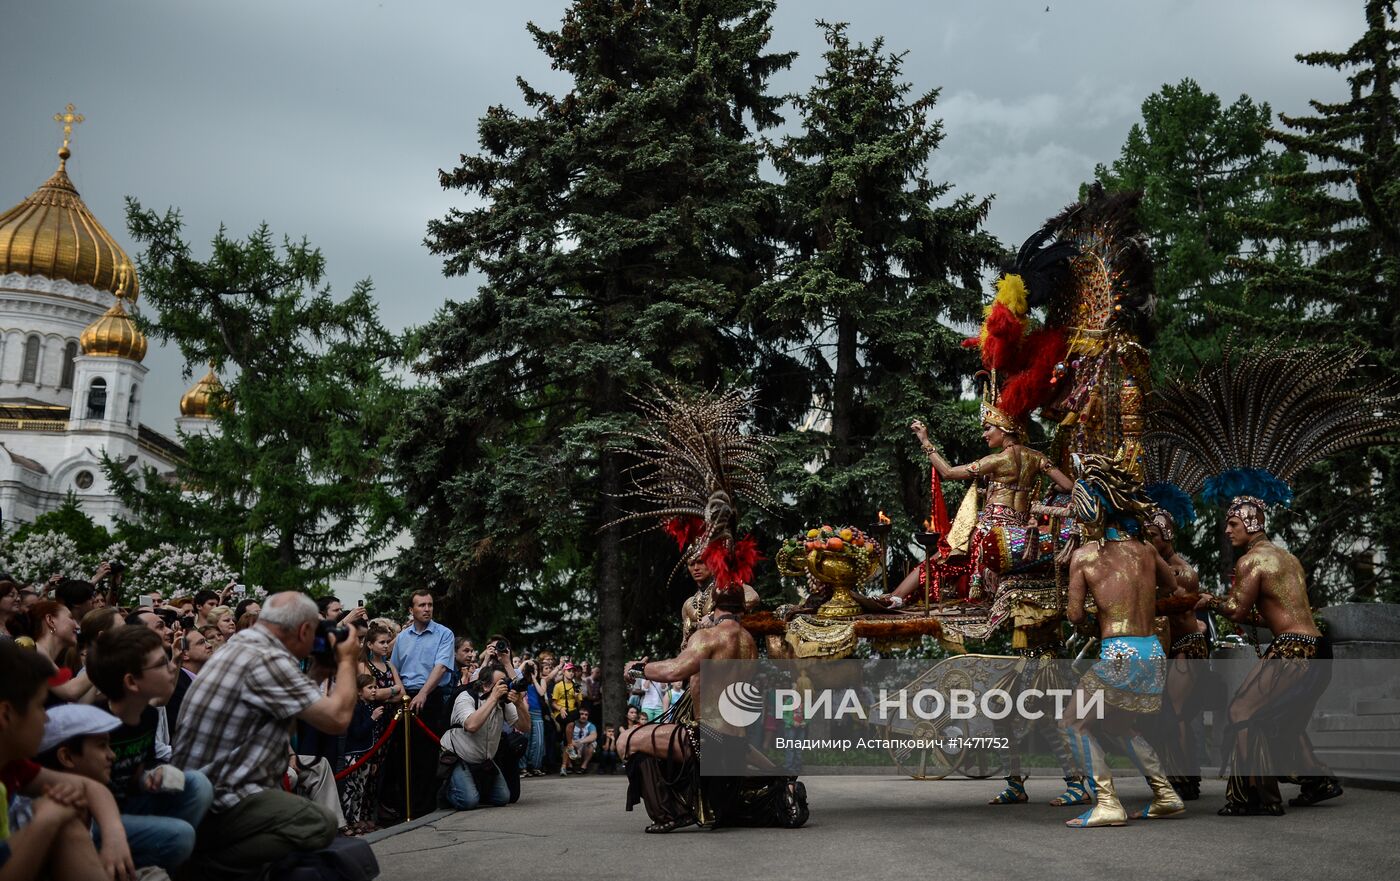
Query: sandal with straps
{"points": [[1075, 794], [1013, 794]]}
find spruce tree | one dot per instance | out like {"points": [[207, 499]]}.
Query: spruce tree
{"points": [[1202, 168], [293, 485], [620, 229], [875, 272], [1345, 289]]}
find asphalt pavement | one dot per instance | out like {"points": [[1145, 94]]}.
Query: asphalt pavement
{"points": [[897, 828]]}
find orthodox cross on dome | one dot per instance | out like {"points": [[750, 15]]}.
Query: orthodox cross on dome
{"points": [[69, 119]]}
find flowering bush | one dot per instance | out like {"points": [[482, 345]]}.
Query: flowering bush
{"points": [[170, 570], [35, 557]]}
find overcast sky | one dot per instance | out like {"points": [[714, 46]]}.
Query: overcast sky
{"points": [[330, 118]]}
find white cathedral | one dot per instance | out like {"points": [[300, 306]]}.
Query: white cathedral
{"points": [[71, 375]]}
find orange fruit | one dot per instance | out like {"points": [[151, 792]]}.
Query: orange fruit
{"points": [[845, 534], [834, 544]]}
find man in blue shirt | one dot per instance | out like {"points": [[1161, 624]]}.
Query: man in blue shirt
{"points": [[423, 653], [424, 658]]}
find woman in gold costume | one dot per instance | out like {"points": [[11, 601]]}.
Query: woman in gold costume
{"points": [[1005, 534]]}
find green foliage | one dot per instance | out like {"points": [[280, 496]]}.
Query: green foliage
{"points": [[619, 230], [68, 519], [1203, 167], [856, 321], [292, 486], [1344, 203]]}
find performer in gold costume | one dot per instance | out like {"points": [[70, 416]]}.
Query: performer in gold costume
{"points": [[1005, 535], [1190, 643], [1124, 575], [1271, 709]]}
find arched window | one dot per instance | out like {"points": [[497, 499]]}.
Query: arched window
{"points": [[70, 352], [31, 360], [131, 405], [97, 399]]}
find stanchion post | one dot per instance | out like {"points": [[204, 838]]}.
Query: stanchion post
{"points": [[407, 763]]}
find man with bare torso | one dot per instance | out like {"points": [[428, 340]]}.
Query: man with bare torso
{"points": [[1190, 644], [1270, 711], [663, 758], [1123, 575]]}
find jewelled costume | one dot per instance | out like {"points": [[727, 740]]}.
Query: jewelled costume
{"points": [[1131, 671], [1111, 505], [998, 542]]}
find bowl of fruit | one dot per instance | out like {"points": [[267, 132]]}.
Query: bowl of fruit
{"points": [[840, 557]]}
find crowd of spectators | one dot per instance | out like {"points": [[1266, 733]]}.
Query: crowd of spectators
{"points": [[215, 736]]}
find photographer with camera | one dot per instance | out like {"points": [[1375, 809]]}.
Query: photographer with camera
{"points": [[479, 716], [497, 653], [234, 729]]}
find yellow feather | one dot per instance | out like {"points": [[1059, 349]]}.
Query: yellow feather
{"points": [[1011, 293]]}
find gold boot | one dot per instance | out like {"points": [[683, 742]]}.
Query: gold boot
{"points": [[1107, 809], [1165, 801]]}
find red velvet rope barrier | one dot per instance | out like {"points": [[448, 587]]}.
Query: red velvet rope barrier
{"points": [[353, 766], [424, 726]]}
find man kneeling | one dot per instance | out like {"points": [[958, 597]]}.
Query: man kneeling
{"points": [[479, 715]]}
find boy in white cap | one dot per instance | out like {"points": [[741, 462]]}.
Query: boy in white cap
{"points": [[77, 740], [55, 842]]}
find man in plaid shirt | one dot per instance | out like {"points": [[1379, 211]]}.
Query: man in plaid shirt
{"points": [[235, 726]]}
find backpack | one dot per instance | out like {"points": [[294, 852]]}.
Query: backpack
{"points": [[346, 859]]}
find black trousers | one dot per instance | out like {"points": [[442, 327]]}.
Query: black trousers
{"points": [[423, 760]]}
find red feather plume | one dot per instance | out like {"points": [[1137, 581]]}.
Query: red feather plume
{"points": [[1031, 387], [732, 567], [684, 529], [1003, 338]]}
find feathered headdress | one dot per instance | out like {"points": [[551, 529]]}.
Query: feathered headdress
{"points": [[695, 465], [1247, 426], [1173, 477], [1107, 494], [1021, 358], [1114, 288]]}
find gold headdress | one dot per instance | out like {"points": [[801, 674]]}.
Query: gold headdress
{"points": [[1163, 520], [993, 415], [1253, 512]]}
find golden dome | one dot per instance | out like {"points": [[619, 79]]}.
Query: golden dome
{"points": [[52, 233], [115, 334], [199, 400]]}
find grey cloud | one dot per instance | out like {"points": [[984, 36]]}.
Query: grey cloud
{"points": [[330, 118]]}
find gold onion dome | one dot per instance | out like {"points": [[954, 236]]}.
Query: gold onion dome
{"points": [[53, 234], [199, 400], [115, 335]]}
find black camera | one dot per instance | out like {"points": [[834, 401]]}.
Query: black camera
{"points": [[502, 647], [520, 685], [323, 647], [116, 567]]}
